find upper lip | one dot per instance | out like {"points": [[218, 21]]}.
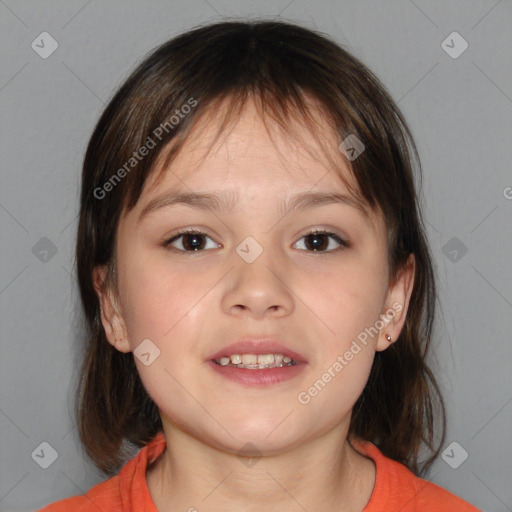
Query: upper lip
{"points": [[258, 347]]}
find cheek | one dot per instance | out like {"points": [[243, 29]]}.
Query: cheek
{"points": [[165, 307], [158, 299], [331, 395], [348, 301]]}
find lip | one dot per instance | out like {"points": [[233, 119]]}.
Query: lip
{"points": [[258, 347], [262, 377]]}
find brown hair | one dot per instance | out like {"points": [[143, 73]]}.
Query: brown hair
{"points": [[278, 63]]}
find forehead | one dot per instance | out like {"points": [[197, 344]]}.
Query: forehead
{"points": [[226, 146], [253, 157]]}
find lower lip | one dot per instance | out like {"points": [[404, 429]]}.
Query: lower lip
{"points": [[263, 377]]}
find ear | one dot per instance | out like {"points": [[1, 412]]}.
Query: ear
{"points": [[397, 303], [111, 316]]}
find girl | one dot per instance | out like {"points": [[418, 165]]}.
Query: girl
{"points": [[257, 285]]}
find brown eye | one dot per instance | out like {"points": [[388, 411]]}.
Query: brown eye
{"points": [[195, 241], [191, 241], [319, 241]]}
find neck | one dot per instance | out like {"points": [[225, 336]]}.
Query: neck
{"points": [[323, 474]]}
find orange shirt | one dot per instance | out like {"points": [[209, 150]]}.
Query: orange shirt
{"points": [[396, 488]]}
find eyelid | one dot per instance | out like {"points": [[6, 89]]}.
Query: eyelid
{"points": [[329, 232], [181, 232]]}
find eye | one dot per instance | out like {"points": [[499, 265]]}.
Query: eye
{"points": [[318, 240], [192, 240]]}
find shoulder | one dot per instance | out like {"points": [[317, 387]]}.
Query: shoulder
{"points": [[124, 492], [416, 494], [397, 488]]}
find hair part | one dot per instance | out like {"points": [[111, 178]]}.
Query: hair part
{"points": [[288, 70]]}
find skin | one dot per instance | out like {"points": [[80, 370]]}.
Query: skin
{"points": [[191, 304]]}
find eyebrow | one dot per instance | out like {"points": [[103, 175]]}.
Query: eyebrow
{"points": [[225, 201]]}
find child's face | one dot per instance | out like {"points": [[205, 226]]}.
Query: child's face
{"points": [[193, 304]]}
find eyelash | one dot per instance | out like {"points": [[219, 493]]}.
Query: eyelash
{"points": [[343, 244]]}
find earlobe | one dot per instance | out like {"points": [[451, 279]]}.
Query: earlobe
{"points": [[397, 304], [111, 318]]}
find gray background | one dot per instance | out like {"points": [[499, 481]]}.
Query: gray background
{"points": [[459, 110]]}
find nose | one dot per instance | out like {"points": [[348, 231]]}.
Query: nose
{"points": [[259, 288]]}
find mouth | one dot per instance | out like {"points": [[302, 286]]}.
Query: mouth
{"points": [[257, 362], [253, 353]]}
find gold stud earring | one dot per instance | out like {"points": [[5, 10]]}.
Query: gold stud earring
{"points": [[388, 337]]}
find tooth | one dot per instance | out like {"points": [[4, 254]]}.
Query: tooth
{"points": [[236, 359], [253, 361], [249, 359], [266, 358]]}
